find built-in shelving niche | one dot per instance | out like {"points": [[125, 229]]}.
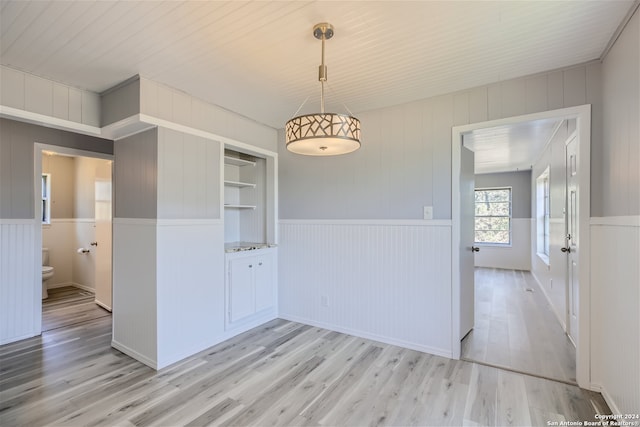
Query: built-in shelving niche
{"points": [[248, 197]]}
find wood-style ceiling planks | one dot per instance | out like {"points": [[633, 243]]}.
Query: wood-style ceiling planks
{"points": [[260, 60], [510, 147]]}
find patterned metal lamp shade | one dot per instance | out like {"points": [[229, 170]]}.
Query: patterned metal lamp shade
{"points": [[323, 134]]}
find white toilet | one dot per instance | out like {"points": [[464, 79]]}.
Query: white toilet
{"points": [[47, 272]]}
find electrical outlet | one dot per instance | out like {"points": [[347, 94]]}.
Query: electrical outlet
{"points": [[324, 301], [428, 212]]}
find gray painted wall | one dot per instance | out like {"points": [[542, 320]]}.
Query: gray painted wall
{"points": [[618, 157], [553, 157], [520, 182], [135, 176], [165, 174], [120, 102], [405, 159], [17, 141]]}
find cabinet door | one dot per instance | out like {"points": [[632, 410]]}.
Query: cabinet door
{"points": [[241, 293], [264, 282]]}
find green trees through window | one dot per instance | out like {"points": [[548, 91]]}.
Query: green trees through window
{"points": [[493, 216]]}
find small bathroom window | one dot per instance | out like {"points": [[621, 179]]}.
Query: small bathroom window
{"points": [[46, 198]]}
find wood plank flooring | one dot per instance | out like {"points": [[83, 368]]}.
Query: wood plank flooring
{"points": [[282, 373], [516, 329], [69, 305]]}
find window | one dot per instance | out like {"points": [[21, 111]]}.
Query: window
{"points": [[543, 214], [493, 216], [46, 198]]}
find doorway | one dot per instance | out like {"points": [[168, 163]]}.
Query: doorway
{"points": [[73, 200], [582, 116]]}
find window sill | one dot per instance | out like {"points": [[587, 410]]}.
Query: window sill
{"points": [[494, 245], [544, 258]]}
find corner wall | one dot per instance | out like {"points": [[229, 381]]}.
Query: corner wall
{"points": [[615, 230], [168, 246]]}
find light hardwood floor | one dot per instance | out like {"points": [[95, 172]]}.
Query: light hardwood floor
{"points": [[69, 305], [516, 328], [281, 373]]}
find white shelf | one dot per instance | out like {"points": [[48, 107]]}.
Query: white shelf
{"points": [[239, 184], [238, 162], [239, 206]]}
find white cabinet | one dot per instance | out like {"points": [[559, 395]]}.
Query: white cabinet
{"points": [[250, 285]]}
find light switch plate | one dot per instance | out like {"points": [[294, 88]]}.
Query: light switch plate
{"points": [[428, 212]]}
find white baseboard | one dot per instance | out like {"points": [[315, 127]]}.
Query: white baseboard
{"points": [[59, 285], [369, 336], [18, 338], [134, 354], [607, 398], [83, 287], [546, 296], [75, 285], [106, 307], [232, 330], [177, 357]]}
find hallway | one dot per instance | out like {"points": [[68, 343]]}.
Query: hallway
{"points": [[515, 327]]}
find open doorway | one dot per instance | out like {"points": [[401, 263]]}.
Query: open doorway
{"points": [[73, 203], [515, 328]]}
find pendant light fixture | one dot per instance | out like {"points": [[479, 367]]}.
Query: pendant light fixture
{"points": [[323, 134]]}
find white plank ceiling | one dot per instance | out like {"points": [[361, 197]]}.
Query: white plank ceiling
{"points": [[509, 148], [260, 59]]}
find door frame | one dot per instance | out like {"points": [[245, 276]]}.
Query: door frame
{"points": [[38, 151], [582, 114]]}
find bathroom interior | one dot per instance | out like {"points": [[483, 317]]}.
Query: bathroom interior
{"points": [[76, 228]]}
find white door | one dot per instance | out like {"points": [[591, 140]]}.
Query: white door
{"points": [[467, 238], [241, 289], [264, 282], [571, 246], [102, 247]]}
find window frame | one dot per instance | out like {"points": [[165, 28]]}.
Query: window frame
{"points": [[509, 217], [46, 198], [543, 215]]}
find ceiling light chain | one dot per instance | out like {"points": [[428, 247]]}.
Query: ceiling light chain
{"points": [[323, 134]]}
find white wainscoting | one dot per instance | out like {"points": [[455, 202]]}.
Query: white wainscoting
{"points": [[517, 256], [384, 280], [20, 315], [615, 318], [190, 287], [134, 289], [550, 275], [168, 288]]}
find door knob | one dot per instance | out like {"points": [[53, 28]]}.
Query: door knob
{"points": [[567, 250], [475, 249], [94, 243]]}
